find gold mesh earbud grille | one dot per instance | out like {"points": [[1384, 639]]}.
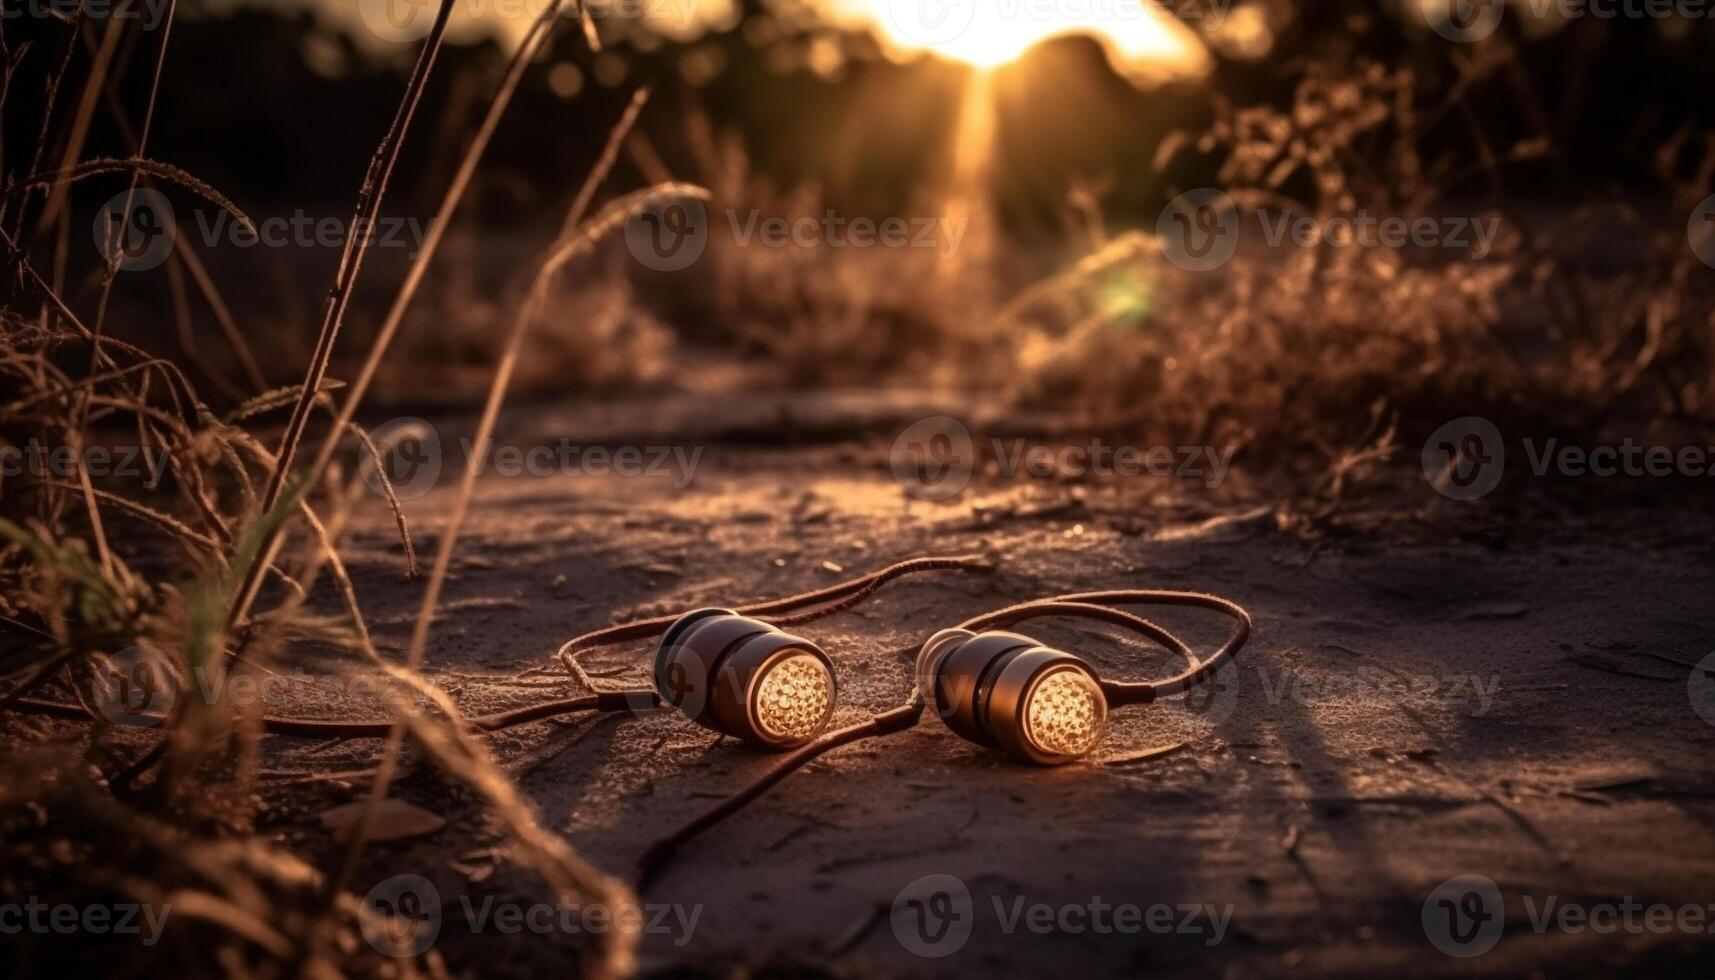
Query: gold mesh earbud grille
{"points": [[1066, 713], [794, 697]]}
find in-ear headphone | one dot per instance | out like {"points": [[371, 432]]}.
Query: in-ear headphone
{"points": [[746, 678], [1007, 691]]}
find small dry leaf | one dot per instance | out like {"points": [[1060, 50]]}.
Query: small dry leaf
{"points": [[473, 873], [394, 820], [830, 566], [1494, 610]]}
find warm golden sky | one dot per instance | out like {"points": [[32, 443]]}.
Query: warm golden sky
{"points": [[1138, 36], [987, 33]]}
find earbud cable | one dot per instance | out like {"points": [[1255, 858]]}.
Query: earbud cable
{"points": [[1121, 693], [788, 611], [1086, 605], [785, 613]]}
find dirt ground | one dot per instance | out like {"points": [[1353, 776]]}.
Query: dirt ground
{"points": [[1458, 690]]}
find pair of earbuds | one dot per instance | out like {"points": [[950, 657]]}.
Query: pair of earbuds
{"points": [[743, 676], [739, 672]]}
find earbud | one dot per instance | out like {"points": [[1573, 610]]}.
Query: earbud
{"points": [[743, 677], [1007, 691]]}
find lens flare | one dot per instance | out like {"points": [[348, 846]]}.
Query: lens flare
{"points": [[794, 698], [1065, 713]]}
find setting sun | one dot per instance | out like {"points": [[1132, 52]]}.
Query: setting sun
{"points": [[1139, 38]]}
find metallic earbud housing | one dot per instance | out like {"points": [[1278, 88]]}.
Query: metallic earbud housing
{"points": [[1007, 691], [743, 677]]}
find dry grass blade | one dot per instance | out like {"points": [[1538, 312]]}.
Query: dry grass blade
{"points": [[184, 259], [81, 121], [385, 484], [591, 38], [54, 79], [539, 35], [609, 220], [604, 163], [154, 168], [368, 206], [467, 759], [277, 398], [165, 522]]}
